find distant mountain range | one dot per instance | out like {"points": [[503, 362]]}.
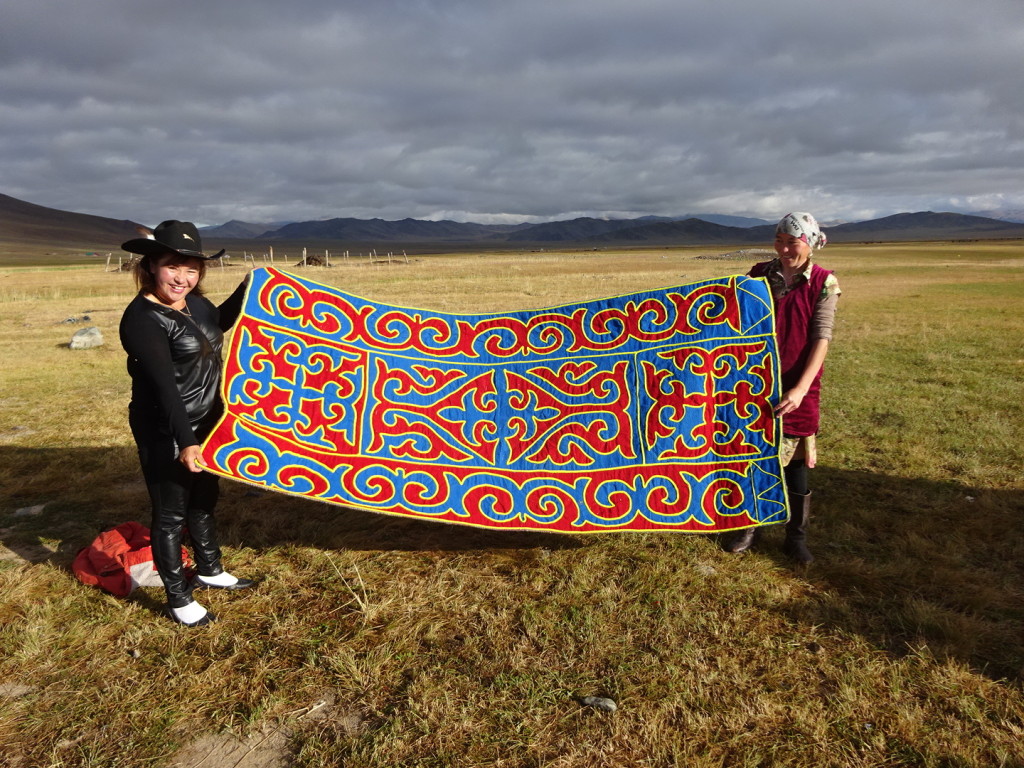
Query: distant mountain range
{"points": [[30, 223], [648, 230], [640, 232], [418, 230], [22, 222], [242, 230], [714, 218], [379, 230]]}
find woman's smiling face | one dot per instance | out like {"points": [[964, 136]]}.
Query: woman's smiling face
{"points": [[793, 251], [174, 278]]}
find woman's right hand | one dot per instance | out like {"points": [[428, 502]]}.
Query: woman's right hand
{"points": [[192, 458], [790, 401]]}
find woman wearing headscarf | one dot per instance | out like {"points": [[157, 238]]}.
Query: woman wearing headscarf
{"points": [[173, 336], [805, 297]]}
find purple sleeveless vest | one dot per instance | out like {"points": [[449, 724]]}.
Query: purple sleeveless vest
{"points": [[793, 314]]}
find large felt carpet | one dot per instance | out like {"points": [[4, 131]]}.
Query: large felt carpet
{"points": [[651, 411]]}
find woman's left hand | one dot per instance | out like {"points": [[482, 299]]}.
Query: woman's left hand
{"points": [[790, 401], [192, 458]]}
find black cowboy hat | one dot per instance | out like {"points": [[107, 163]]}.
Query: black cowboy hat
{"points": [[180, 237]]}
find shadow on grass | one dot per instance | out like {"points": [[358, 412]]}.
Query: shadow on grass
{"points": [[918, 566], [912, 565], [66, 497]]}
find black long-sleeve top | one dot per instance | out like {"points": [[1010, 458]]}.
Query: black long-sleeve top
{"points": [[174, 361]]}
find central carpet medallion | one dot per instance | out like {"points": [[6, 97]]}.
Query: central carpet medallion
{"points": [[645, 412]]}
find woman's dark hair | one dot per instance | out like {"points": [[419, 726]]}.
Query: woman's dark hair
{"points": [[145, 281]]}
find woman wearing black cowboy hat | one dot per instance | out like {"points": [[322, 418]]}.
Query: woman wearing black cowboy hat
{"points": [[173, 336]]}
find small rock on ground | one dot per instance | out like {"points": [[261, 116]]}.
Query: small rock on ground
{"points": [[599, 702], [32, 511], [14, 690], [87, 338]]}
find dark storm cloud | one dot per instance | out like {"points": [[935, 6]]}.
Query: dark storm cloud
{"points": [[483, 110]]}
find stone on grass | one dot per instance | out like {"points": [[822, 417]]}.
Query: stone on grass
{"points": [[15, 691], [30, 511], [87, 338], [599, 702]]}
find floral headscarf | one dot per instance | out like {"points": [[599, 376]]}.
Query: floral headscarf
{"points": [[802, 226]]}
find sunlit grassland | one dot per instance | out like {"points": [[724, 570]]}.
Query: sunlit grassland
{"points": [[432, 645]]}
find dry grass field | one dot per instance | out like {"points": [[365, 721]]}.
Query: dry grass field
{"points": [[375, 641]]}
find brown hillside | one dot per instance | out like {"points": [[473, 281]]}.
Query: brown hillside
{"points": [[30, 224]]}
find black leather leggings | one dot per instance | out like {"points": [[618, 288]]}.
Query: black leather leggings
{"points": [[179, 498]]}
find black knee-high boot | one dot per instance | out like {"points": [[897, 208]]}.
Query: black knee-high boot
{"points": [[795, 544]]}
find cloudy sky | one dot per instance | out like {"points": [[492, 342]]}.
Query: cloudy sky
{"points": [[518, 110]]}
